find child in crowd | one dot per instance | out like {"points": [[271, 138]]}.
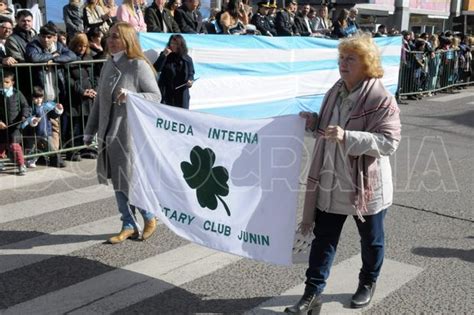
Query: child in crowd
{"points": [[42, 113], [13, 110]]}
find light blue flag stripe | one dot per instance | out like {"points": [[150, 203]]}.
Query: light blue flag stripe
{"points": [[232, 59], [310, 103], [273, 68], [159, 40]]}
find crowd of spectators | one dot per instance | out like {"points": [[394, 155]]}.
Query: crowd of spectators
{"points": [[45, 124], [429, 61], [434, 61]]}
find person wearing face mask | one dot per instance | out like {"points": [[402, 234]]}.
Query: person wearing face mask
{"points": [[176, 73], [46, 49], [72, 15], [13, 110]]}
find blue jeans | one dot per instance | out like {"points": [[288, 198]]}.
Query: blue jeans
{"points": [[128, 221], [327, 230]]}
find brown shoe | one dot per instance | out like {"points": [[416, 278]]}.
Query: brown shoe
{"points": [[122, 236], [150, 228]]}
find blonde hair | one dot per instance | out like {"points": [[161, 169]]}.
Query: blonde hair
{"points": [[79, 39], [90, 4], [434, 41], [456, 42], [129, 39], [129, 5], [363, 45]]}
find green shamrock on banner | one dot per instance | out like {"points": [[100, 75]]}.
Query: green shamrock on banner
{"points": [[210, 182]]}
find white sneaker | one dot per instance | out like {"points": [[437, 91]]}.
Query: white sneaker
{"points": [[31, 164], [22, 170]]}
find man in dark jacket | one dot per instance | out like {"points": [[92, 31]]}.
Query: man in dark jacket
{"points": [[260, 20], [189, 18], [47, 49], [6, 28], [23, 33], [285, 23], [302, 21], [15, 47], [159, 20]]}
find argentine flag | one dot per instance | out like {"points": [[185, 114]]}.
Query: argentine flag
{"points": [[259, 77]]}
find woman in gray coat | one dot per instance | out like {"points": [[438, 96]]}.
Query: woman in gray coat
{"points": [[127, 69]]}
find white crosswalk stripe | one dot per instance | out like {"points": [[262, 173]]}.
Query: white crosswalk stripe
{"points": [[342, 284], [50, 203], [123, 287], [38, 177], [118, 289], [59, 243]]}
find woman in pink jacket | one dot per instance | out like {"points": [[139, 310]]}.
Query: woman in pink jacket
{"points": [[130, 11]]}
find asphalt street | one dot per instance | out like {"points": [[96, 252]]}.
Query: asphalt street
{"points": [[53, 224]]}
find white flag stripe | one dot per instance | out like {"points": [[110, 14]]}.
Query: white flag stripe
{"points": [[33, 250], [236, 56], [243, 63], [50, 203], [123, 287], [33, 178], [276, 87], [342, 284]]}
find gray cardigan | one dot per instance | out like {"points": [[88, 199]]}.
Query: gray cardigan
{"points": [[109, 119]]}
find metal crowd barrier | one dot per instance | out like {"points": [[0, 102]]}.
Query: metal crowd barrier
{"points": [[62, 83], [419, 73], [422, 72]]}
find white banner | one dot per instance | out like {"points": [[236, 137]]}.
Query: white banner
{"points": [[223, 183]]}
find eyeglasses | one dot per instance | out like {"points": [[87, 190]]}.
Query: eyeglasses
{"points": [[7, 28]]}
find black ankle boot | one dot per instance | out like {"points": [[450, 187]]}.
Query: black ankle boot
{"points": [[363, 295], [308, 302]]}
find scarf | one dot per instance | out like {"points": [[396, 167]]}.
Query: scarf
{"points": [[375, 111]]}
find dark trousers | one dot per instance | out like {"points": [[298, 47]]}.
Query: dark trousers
{"points": [[327, 231]]}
